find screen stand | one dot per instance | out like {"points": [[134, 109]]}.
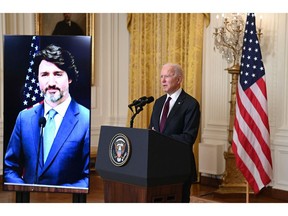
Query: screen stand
{"points": [[22, 197], [79, 198]]}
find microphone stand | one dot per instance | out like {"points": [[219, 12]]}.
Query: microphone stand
{"points": [[38, 155], [138, 110]]}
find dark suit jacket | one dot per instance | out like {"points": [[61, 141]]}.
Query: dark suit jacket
{"points": [[182, 123], [68, 161], [63, 28]]}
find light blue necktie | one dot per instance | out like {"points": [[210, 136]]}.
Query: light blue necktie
{"points": [[49, 133]]}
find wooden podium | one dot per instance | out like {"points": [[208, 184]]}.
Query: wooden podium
{"points": [[156, 166]]}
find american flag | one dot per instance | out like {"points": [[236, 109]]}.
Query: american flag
{"points": [[32, 94], [251, 134]]}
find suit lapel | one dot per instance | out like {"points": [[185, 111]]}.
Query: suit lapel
{"points": [[68, 123], [176, 106]]}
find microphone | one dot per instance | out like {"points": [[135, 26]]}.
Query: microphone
{"points": [[132, 104], [139, 106], [136, 102], [42, 123], [147, 100]]}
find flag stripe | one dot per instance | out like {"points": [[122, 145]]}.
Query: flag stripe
{"points": [[251, 133], [254, 118], [251, 115], [252, 145], [263, 134], [259, 100], [243, 162]]}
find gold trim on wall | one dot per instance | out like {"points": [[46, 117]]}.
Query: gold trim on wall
{"points": [[41, 28]]}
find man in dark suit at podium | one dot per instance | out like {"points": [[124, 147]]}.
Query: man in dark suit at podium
{"points": [[178, 118]]}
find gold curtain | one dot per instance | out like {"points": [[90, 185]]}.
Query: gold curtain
{"points": [[156, 39]]}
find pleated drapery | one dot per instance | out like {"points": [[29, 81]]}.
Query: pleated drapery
{"points": [[158, 38]]}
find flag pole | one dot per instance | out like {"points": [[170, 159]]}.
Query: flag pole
{"points": [[247, 192]]}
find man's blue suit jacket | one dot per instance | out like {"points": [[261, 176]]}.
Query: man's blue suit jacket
{"points": [[68, 160]]}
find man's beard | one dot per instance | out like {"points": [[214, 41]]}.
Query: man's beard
{"points": [[54, 97]]}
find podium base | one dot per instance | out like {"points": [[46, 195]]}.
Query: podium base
{"points": [[118, 192]]}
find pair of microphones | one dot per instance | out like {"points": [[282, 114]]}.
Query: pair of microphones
{"points": [[138, 106], [142, 101]]}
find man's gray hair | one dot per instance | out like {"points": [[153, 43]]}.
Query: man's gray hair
{"points": [[177, 69]]}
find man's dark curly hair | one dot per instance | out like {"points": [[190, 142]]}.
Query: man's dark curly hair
{"points": [[63, 59]]}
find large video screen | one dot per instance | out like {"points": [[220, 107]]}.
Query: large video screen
{"points": [[45, 75]]}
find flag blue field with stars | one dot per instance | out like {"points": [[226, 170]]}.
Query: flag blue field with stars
{"points": [[32, 94]]}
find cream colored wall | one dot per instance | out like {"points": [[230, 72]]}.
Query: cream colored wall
{"points": [[110, 92]]}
